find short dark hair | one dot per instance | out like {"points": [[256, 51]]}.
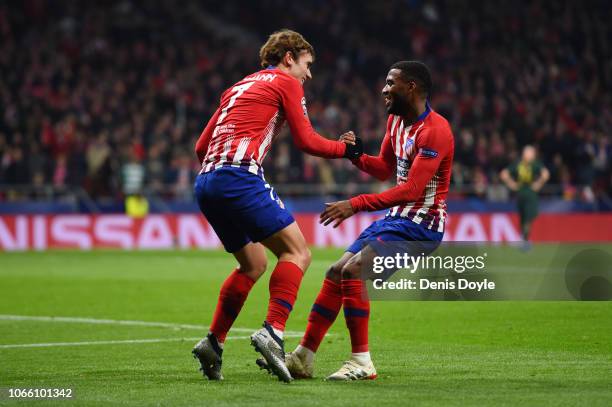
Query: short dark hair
{"points": [[415, 71]]}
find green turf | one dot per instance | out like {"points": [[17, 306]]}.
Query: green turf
{"points": [[426, 353]]}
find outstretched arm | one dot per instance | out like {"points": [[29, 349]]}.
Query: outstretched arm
{"points": [[422, 171], [380, 166], [425, 166], [304, 136], [204, 140]]}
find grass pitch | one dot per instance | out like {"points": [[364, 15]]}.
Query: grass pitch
{"points": [[426, 353]]}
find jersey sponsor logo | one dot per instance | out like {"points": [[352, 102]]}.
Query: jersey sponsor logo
{"points": [[226, 129], [403, 166], [304, 106], [428, 152]]}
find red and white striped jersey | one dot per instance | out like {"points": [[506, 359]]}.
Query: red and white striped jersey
{"points": [[422, 154], [249, 118]]}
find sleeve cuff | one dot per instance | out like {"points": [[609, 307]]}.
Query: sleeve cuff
{"points": [[357, 160], [342, 149], [356, 203]]}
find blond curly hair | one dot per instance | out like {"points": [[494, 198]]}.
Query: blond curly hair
{"points": [[279, 42]]}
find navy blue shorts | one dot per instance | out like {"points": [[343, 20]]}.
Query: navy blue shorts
{"points": [[397, 229], [240, 206], [395, 235]]}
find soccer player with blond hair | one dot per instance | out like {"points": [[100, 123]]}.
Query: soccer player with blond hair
{"points": [[243, 209]]}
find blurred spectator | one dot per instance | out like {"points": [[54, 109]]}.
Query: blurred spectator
{"points": [[60, 172], [99, 166], [16, 171], [181, 176], [132, 175], [496, 191], [80, 81]]}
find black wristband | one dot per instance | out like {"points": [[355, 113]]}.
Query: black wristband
{"points": [[355, 151]]}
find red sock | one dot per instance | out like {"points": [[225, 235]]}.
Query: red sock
{"points": [[284, 285], [323, 314], [356, 313], [234, 292]]}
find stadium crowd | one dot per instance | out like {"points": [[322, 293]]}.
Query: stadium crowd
{"points": [[111, 96]]}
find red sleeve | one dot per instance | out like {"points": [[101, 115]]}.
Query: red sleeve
{"points": [[433, 148], [381, 166], [202, 144], [304, 136]]}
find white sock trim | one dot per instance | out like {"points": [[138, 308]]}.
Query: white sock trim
{"points": [[306, 353], [278, 332], [363, 358]]}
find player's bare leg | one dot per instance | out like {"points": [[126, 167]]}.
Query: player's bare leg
{"points": [[252, 262], [294, 257], [289, 245], [334, 272]]}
